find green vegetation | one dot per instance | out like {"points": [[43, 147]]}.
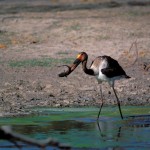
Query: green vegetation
{"points": [[73, 27], [5, 37], [103, 37], [137, 13], [63, 53], [42, 62], [62, 114]]}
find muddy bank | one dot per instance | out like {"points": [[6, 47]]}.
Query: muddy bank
{"points": [[77, 90], [33, 43]]}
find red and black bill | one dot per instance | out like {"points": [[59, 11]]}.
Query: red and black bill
{"points": [[71, 68]]}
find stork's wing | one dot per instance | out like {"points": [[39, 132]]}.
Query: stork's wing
{"points": [[113, 69], [113, 72]]}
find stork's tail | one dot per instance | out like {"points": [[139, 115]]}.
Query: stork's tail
{"points": [[127, 77]]}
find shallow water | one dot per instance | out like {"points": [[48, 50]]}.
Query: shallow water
{"points": [[79, 128]]}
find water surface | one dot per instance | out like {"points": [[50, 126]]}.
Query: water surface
{"points": [[79, 128]]}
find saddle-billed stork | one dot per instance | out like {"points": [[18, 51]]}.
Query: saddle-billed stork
{"points": [[104, 68]]}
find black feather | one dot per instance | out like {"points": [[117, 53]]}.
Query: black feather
{"points": [[113, 69]]}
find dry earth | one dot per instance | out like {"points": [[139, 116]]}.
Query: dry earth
{"points": [[37, 36]]}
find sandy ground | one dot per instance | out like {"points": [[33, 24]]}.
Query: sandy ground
{"points": [[41, 29]]}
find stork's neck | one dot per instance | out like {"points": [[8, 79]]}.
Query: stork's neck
{"points": [[86, 70]]}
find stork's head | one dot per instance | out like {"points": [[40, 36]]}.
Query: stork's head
{"points": [[80, 58]]}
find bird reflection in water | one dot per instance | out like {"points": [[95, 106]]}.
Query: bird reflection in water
{"points": [[127, 132], [109, 130]]}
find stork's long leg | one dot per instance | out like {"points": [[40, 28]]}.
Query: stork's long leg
{"points": [[118, 102], [101, 103]]}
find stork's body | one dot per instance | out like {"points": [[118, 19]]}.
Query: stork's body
{"points": [[107, 69], [104, 68]]}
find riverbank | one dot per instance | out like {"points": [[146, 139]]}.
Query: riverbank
{"points": [[33, 42]]}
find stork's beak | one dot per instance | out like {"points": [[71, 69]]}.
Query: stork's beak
{"points": [[75, 64], [71, 68]]}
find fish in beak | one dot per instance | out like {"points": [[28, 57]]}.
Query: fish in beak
{"points": [[72, 67]]}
